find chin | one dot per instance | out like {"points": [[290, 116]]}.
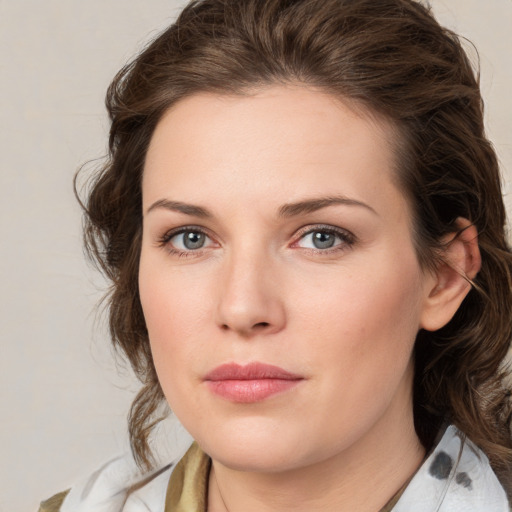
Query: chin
{"points": [[260, 447], [255, 458]]}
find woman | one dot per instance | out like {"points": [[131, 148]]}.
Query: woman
{"points": [[303, 223]]}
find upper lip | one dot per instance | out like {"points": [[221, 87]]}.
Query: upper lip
{"points": [[251, 371]]}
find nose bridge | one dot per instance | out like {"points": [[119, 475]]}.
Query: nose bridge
{"points": [[249, 298]]}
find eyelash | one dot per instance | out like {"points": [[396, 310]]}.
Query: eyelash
{"points": [[169, 235], [347, 239]]}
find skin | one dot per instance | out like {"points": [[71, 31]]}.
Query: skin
{"points": [[343, 318]]}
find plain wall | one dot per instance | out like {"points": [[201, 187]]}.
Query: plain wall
{"points": [[63, 398]]}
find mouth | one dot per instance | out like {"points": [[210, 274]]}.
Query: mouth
{"points": [[250, 383]]}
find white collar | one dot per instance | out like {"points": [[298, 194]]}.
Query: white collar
{"points": [[456, 477]]}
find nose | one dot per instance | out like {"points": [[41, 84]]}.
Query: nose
{"points": [[250, 300]]}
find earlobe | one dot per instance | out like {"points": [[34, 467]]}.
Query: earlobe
{"points": [[460, 264]]}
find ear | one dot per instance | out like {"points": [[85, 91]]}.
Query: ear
{"points": [[450, 284]]}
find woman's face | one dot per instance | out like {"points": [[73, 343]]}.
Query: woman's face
{"points": [[278, 277]]}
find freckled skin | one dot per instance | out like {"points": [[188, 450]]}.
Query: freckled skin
{"points": [[344, 318]]}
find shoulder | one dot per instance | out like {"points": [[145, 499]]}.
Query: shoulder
{"points": [[116, 484], [54, 503], [455, 476]]}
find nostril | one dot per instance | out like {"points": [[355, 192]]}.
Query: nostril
{"points": [[246, 329]]}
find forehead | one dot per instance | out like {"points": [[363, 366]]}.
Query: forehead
{"points": [[279, 142]]}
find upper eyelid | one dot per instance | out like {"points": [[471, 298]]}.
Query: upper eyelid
{"points": [[311, 228], [302, 230], [170, 233]]}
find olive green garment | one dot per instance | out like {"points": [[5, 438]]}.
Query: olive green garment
{"points": [[53, 504]]}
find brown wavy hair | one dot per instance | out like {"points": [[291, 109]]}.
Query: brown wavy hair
{"points": [[390, 57]]}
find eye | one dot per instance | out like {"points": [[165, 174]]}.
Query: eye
{"points": [[319, 240], [325, 238], [186, 240], [189, 240]]}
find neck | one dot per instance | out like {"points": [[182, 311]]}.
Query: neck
{"points": [[363, 478]]}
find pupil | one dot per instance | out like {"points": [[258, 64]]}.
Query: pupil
{"points": [[193, 240], [323, 240]]}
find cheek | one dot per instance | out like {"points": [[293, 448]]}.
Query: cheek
{"points": [[178, 306], [174, 300], [364, 298], [366, 321], [172, 314]]}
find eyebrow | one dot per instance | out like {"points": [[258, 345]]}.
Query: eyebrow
{"points": [[312, 205], [287, 210], [178, 206]]}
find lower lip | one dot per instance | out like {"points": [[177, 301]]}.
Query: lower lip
{"points": [[250, 391]]}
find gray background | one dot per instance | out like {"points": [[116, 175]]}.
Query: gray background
{"points": [[63, 397]]}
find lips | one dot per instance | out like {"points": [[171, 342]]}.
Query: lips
{"points": [[250, 383]]}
